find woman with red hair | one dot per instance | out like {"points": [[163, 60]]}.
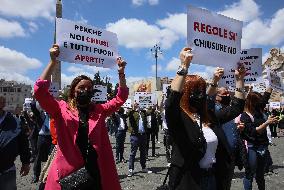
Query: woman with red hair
{"points": [[201, 154]]}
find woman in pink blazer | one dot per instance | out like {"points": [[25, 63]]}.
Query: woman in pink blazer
{"points": [[69, 157]]}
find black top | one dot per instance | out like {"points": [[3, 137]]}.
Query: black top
{"points": [[189, 143], [249, 133]]}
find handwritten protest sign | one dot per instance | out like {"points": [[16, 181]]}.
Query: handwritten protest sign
{"points": [[145, 99], [259, 87], [127, 104], [27, 104], [100, 96], [274, 104], [275, 80], [252, 61], [166, 87], [81, 43], [214, 38], [54, 89]]}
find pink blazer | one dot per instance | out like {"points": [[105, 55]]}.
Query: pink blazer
{"points": [[68, 157]]}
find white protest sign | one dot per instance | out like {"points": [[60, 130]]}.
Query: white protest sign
{"points": [[259, 87], [54, 89], [127, 104], [145, 99], [166, 87], [81, 43], [214, 38], [100, 96], [27, 104], [251, 59], [275, 80], [274, 104]]}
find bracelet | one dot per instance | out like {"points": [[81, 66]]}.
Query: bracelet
{"points": [[241, 90]]}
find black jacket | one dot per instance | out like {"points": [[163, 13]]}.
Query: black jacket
{"points": [[190, 145], [13, 142], [134, 117]]}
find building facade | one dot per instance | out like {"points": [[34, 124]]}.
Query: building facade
{"points": [[15, 94]]}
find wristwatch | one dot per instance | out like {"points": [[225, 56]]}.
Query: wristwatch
{"points": [[241, 90], [182, 71]]}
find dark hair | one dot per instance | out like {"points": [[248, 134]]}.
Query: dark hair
{"points": [[71, 94], [253, 101], [192, 84]]}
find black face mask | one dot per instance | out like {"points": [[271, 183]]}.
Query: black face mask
{"points": [[84, 97], [225, 100], [197, 99]]}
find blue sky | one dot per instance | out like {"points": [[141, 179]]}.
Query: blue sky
{"points": [[27, 27]]}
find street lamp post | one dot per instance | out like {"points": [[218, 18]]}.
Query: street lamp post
{"points": [[156, 51]]}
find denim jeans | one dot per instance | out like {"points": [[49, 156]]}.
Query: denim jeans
{"points": [[8, 180], [256, 164], [208, 181], [138, 141]]}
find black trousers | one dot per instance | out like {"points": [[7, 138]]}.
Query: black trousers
{"points": [[120, 140], [151, 136], [43, 147]]}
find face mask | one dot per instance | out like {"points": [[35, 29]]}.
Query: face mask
{"points": [[197, 100], [225, 100], [84, 97]]}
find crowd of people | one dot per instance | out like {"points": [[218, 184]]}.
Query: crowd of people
{"points": [[208, 131]]}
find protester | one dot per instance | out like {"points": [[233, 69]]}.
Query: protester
{"points": [[152, 130], [167, 138], [84, 155], [254, 132], [13, 142], [201, 154], [33, 135], [120, 135], [273, 127], [138, 138], [43, 140]]}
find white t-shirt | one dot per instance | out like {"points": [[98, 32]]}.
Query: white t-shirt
{"points": [[121, 124], [163, 116], [212, 142]]}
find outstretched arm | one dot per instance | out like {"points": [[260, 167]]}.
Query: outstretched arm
{"points": [[54, 52], [185, 58]]}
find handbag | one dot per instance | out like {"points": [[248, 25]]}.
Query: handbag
{"points": [[80, 179]]}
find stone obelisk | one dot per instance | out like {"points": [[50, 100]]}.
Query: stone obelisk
{"points": [[56, 75]]}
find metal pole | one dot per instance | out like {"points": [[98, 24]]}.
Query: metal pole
{"points": [[156, 56]]}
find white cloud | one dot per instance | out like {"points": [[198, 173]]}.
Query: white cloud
{"points": [[269, 32], [28, 9], [153, 68], [16, 77], [13, 61], [176, 23], [79, 18], [86, 68], [206, 73], [153, 2], [33, 27], [10, 29], [245, 10], [173, 64], [134, 33], [141, 2]]}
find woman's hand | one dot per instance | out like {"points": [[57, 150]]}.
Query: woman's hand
{"points": [[272, 120], [241, 126], [185, 57], [121, 65], [219, 72], [240, 72], [54, 52]]}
